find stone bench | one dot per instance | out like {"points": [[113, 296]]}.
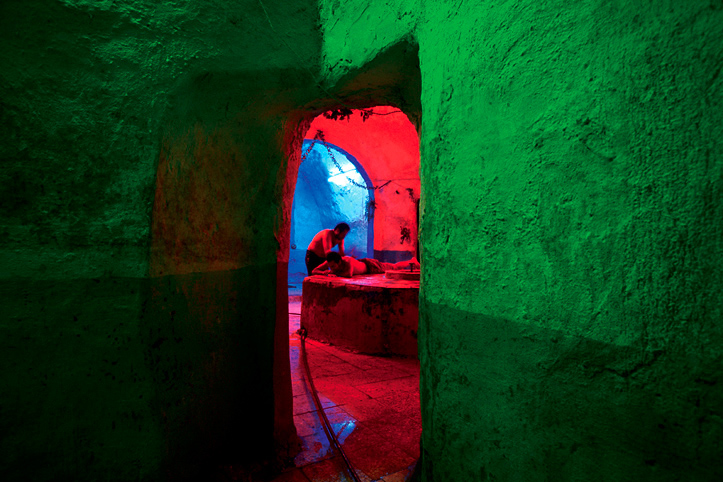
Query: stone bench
{"points": [[367, 314]]}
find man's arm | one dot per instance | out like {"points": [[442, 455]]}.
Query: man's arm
{"points": [[323, 268], [327, 241], [341, 248]]}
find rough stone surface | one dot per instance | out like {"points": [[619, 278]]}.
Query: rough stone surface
{"points": [[571, 229], [366, 314], [138, 285], [412, 275], [571, 233]]}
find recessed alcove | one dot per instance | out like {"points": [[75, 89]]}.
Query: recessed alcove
{"points": [[331, 187]]}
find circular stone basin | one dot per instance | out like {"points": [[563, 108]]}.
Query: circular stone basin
{"points": [[366, 314], [402, 274]]}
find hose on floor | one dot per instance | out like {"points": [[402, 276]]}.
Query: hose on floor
{"points": [[327, 426]]}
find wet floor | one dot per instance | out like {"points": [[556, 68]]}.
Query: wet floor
{"points": [[372, 404]]}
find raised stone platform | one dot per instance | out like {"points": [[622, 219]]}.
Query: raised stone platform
{"points": [[367, 314], [412, 275]]}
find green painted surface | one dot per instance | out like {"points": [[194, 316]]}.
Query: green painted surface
{"points": [[571, 235], [571, 229], [137, 339], [76, 387]]}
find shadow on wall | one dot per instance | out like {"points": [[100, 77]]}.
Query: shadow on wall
{"points": [[331, 188]]}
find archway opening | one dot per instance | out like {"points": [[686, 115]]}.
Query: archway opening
{"points": [[372, 401], [332, 187]]}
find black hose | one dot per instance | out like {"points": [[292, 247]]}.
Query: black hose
{"points": [[327, 426]]}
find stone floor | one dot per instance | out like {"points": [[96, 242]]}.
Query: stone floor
{"points": [[371, 402]]}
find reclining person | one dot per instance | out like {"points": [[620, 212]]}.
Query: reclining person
{"points": [[346, 266]]}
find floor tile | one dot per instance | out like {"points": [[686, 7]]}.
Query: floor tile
{"points": [[338, 415], [305, 403], [308, 424], [299, 386], [409, 365], [314, 448], [379, 461], [372, 404], [329, 368], [408, 400], [403, 434], [401, 476], [365, 410], [389, 387], [363, 438], [331, 470], [363, 377], [335, 389]]}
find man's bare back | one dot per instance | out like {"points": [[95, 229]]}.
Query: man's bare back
{"points": [[357, 267], [324, 240], [346, 268]]}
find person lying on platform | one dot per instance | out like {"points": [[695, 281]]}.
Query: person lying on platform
{"points": [[322, 244], [346, 266]]}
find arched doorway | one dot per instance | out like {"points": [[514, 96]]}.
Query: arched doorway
{"points": [[372, 402], [331, 187]]}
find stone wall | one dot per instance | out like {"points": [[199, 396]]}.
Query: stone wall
{"points": [[142, 240], [571, 229]]}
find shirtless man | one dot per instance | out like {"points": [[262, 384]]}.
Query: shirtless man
{"points": [[346, 266], [322, 244]]}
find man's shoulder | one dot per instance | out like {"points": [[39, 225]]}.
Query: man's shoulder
{"points": [[322, 233]]}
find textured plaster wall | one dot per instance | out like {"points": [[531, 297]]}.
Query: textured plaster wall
{"points": [[387, 146], [141, 231], [149, 161], [571, 233]]}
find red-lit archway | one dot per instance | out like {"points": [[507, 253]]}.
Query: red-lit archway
{"points": [[386, 143], [361, 391]]}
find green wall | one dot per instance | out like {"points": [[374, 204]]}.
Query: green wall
{"points": [[571, 233], [144, 166], [571, 229], [571, 166]]}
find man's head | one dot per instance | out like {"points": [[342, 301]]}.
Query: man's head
{"points": [[341, 230], [333, 259]]}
